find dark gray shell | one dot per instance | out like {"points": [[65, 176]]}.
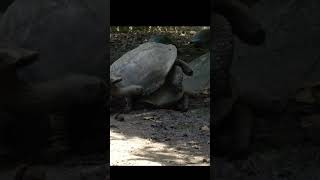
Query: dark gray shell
{"points": [[69, 36], [201, 75], [146, 66], [167, 95]]}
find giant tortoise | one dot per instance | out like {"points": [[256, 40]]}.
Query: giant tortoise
{"points": [[161, 39], [70, 37], [60, 36], [153, 67], [29, 100], [201, 39]]}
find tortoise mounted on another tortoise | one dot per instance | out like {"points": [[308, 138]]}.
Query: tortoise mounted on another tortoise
{"points": [[155, 68]]}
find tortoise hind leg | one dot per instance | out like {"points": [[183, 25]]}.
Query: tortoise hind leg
{"points": [[184, 103], [186, 69], [175, 78]]}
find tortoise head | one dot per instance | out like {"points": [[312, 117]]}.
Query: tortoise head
{"points": [[17, 57], [115, 79], [201, 39]]}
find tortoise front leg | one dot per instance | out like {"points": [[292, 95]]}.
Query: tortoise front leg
{"points": [[128, 92], [133, 90], [128, 107], [175, 78]]}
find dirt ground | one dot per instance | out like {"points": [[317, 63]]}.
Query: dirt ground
{"points": [[161, 137], [86, 167]]}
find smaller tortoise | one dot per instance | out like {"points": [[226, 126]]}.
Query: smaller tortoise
{"points": [[164, 39], [201, 75], [161, 39], [155, 68], [201, 39]]}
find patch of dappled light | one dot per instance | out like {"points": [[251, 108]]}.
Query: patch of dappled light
{"points": [[145, 152]]}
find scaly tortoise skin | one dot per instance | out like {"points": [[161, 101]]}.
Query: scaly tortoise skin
{"points": [[222, 50], [227, 102], [155, 68]]}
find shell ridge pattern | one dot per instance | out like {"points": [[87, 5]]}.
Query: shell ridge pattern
{"points": [[147, 66]]}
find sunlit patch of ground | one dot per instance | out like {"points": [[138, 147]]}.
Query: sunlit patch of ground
{"points": [[136, 151], [161, 138]]}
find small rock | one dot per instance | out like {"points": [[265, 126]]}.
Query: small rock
{"points": [[113, 126], [120, 117], [205, 160], [149, 118], [205, 128], [192, 142], [196, 146], [155, 138], [179, 148]]}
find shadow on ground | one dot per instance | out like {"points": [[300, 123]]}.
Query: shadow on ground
{"points": [[161, 137]]}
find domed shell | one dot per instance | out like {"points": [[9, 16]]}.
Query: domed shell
{"points": [[146, 66]]}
